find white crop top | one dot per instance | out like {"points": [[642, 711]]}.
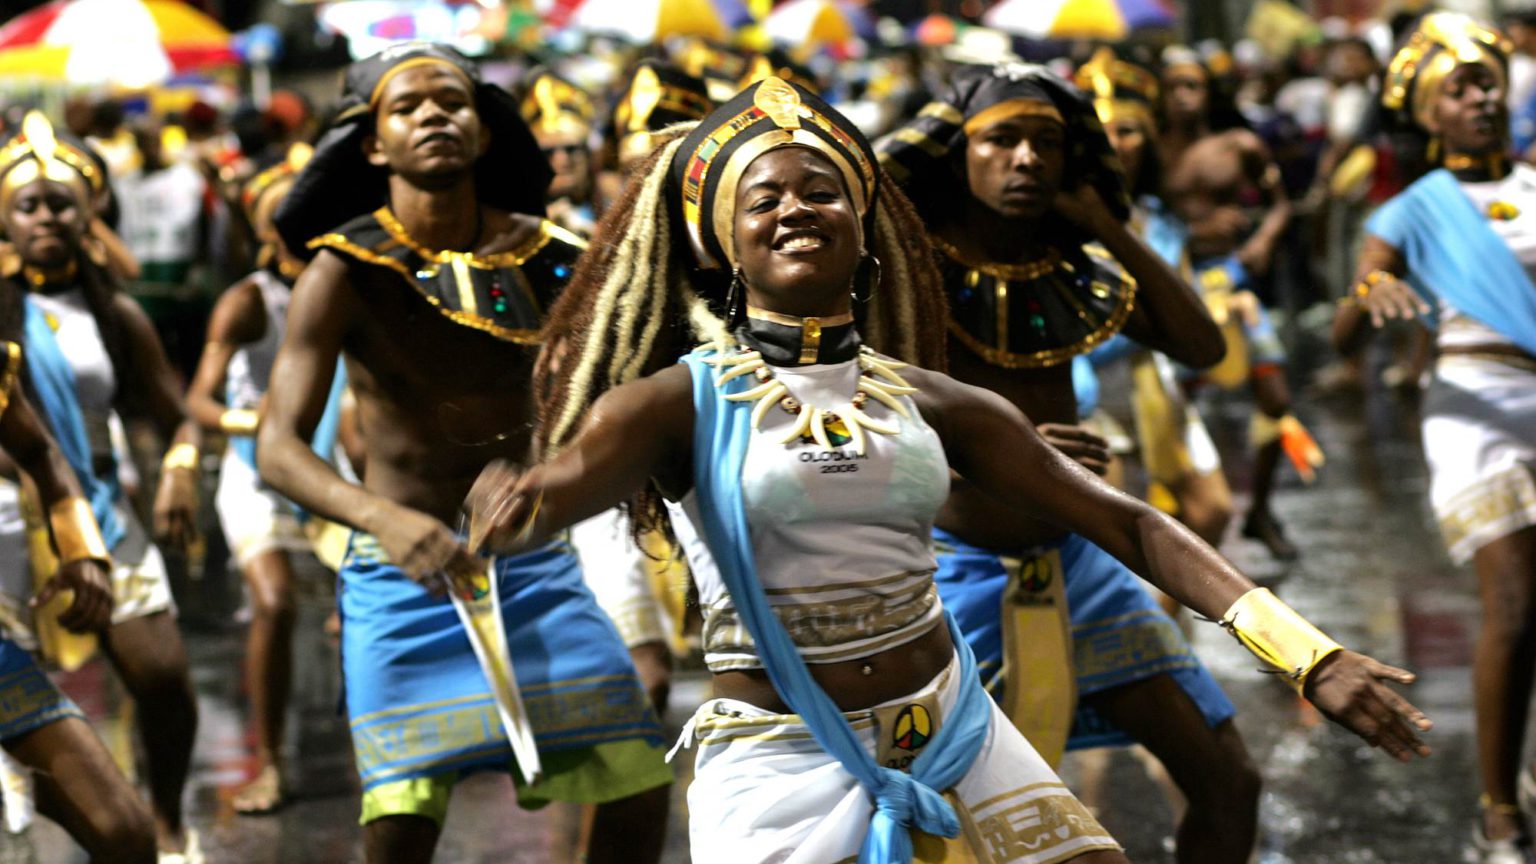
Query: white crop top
{"points": [[842, 542], [1517, 188], [80, 341], [250, 369]]}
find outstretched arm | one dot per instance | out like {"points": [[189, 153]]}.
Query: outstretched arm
{"points": [[636, 432], [1028, 474], [1378, 295], [1169, 316], [83, 567]]}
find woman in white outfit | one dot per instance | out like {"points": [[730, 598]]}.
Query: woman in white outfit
{"points": [[848, 719]]}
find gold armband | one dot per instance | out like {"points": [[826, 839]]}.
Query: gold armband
{"points": [[239, 421], [1276, 634], [181, 455], [76, 533]]}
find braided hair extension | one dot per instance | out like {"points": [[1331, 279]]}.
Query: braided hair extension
{"points": [[635, 304]]}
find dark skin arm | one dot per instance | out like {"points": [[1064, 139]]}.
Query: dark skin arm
{"points": [[643, 429], [238, 319], [35, 453], [320, 316], [1258, 253], [1169, 316], [176, 499], [1387, 300]]}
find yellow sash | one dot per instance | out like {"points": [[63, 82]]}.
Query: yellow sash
{"points": [[1040, 686], [477, 599]]}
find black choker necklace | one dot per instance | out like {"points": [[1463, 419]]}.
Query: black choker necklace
{"points": [[1490, 166], [787, 340]]}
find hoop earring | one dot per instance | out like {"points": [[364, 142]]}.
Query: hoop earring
{"points": [[869, 269], [733, 297], [10, 259], [1432, 152]]}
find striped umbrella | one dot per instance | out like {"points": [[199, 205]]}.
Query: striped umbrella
{"points": [[133, 43], [640, 21], [1078, 19], [810, 23]]}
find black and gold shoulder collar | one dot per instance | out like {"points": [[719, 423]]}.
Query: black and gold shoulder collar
{"points": [[10, 367], [1038, 314], [504, 294]]}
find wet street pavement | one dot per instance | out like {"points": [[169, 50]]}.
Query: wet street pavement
{"points": [[1372, 573]]}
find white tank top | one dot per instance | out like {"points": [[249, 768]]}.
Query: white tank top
{"points": [[1457, 329], [80, 341], [842, 542], [250, 369]]}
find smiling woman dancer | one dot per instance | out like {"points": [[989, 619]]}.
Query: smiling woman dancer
{"points": [[1462, 238], [90, 351], [813, 469]]}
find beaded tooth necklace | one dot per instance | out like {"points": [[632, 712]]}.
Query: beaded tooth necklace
{"points": [[878, 380]]}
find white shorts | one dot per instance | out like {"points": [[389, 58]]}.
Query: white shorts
{"points": [[255, 519], [764, 790], [1480, 440]]}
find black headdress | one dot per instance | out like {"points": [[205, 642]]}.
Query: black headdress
{"points": [[918, 154], [339, 184]]}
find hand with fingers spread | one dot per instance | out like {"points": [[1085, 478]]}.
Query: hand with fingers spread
{"points": [[502, 506], [91, 609], [1350, 690], [1078, 444], [424, 548], [1385, 297]]}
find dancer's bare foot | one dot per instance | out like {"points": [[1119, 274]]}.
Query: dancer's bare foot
{"points": [[264, 794]]}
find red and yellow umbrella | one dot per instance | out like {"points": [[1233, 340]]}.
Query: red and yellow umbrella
{"points": [[132, 43]]}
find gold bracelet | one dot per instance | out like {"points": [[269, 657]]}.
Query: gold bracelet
{"points": [[1363, 288], [75, 532], [1276, 634], [239, 421], [181, 455]]}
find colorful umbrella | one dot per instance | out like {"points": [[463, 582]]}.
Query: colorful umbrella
{"points": [[133, 43], [1078, 19], [810, 23], [642, 21]]}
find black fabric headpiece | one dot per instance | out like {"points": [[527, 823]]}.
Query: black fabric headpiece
{"points": [[338, 184]]}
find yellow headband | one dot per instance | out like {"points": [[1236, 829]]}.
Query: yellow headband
{"points": [[781, 104], [378, 89], [36, 154], [1442, 42], [1009, 109]]}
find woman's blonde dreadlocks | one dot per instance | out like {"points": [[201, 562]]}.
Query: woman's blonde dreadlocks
{"points": [[635, 305]]}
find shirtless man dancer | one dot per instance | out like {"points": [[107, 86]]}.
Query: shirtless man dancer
{"points": [[1223, 184], [439, 346]]}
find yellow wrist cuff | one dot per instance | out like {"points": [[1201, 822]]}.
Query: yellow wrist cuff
{"points": [[76, 533], [1276, 634], [239, 421], [181, 455]]}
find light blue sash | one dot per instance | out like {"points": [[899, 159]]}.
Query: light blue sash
{"points": [[722, 431], [1452, 252], [53, 382]]}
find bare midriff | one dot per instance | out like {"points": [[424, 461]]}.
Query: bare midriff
{"points": [[853, 684]]}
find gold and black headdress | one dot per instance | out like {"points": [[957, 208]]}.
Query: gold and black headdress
{"points": [[766, 116], [1120, 90], [659, 95], [919, 154], [258, 193], [1441, 42], [40, 153], [339, 184], [554, 106]]}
